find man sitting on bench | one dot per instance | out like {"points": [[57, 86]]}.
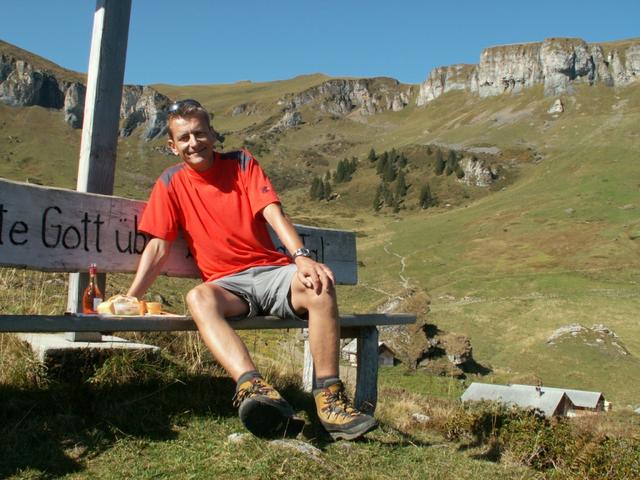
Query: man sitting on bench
{"points": [[223, 203]]}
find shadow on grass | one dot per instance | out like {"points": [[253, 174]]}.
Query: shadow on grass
{"points": [[475, 368], [54, 430], [314, 433]]}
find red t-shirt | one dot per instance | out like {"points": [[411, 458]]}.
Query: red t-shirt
{"points": [[219, 211]]}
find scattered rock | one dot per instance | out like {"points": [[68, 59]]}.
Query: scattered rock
{"points": [[299, 446], [238, 437], [569, 211], [557, 107], [420, 418]]}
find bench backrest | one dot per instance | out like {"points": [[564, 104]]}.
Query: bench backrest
{"points": [[59, 230]]}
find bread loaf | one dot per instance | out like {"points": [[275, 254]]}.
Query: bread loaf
{"points": [[122, 305]]}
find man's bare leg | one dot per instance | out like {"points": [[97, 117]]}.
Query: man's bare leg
{"points": [[324, 328], [210, 305], [335, 412], [261, 408]]}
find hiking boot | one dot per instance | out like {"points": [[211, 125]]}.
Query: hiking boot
{"points": [[338, 417], [264, 412]]}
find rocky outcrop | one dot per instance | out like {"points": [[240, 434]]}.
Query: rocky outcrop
{"points": [[476, 172], [143, 106], [446, 79], [426, 347], [243, 109], [288, 120], [556, 63], [74, 96], [22, 85], [340, 97]]}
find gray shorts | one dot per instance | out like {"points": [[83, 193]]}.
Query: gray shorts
{"points": [[265, 289]]}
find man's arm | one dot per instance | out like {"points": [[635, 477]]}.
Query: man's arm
{"points": [[153, 258], [312, 274]]}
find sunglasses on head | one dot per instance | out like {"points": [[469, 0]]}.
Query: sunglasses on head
{"points": [[180, 104]]}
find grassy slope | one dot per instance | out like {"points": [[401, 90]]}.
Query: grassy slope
{"points": [[517, 264]]}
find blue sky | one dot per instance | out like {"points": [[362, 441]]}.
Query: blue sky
{"points": [[200, 42]]}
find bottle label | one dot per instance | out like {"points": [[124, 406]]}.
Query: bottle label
{"points": [[96, 301]]}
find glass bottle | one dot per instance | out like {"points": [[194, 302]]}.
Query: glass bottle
{"points": [[92, 295]]}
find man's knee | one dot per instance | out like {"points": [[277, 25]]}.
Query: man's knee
{"points": [[310, 300], [202, 294], [195, 297]]}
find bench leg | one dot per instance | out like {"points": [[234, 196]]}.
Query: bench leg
{"points": [[367, 370], [308, 372]]}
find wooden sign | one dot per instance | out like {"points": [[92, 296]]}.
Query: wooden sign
{"points": [[53, 229]]}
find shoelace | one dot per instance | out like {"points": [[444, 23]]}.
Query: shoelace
{"points": [[258, 387], [338, 404]]}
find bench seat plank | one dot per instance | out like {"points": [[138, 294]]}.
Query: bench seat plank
{"points": [[94, 323]]}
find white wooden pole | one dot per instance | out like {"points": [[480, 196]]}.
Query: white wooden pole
{"points": [[99, 143]]}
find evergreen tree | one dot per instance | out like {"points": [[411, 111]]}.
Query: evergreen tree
{"points": [[401, 185], [459, 171], [396, 203], [317, 189], [439, 168], [452, 163], [377, 201], [341, 174], [393, 155], [389, 173], [372, 156], [381, 163], [327, 189], [353, 166], [426, 198], [387, 196], [402, 160]]}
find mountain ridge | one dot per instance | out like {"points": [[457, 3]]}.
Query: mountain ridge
{"points": [[556, 63]]}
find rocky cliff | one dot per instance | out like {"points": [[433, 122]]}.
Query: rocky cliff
{"points": [[26, 80], [555, 63], [341, 97]]}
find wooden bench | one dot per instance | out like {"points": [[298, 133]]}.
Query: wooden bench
{"points": [[57, 230]]}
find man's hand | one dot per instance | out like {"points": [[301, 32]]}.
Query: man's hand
{"points": [[315, 275]]}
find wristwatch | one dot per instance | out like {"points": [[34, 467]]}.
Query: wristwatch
{"points": [[301, 252]]}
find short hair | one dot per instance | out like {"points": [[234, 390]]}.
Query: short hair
{"points": [[187, 108]]}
